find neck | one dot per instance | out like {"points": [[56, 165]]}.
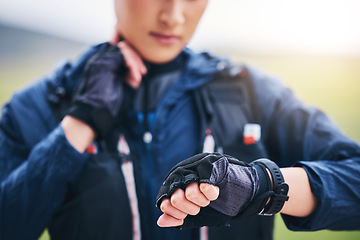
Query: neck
{"points": [[155, 68]]}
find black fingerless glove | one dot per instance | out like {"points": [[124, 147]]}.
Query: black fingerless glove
{"points": [[245, 188], [99, 97]]}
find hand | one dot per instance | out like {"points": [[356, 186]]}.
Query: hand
{"points": [[186, 202], [133, 61], [98, 99], [245, 190], [203, 205]]}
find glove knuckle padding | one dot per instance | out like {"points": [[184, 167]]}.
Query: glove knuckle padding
{"points": [[237, 182]]}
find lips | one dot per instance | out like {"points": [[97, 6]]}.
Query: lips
{"points": [[165, 39]]}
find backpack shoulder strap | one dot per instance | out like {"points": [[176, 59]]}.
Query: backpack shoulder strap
{"points": [[225, 105]]}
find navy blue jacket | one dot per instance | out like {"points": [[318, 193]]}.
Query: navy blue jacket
{"points": [[37, 163]]}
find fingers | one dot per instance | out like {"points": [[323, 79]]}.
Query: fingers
{"points": [[179, 201], [188, 202], [132, 59], [169, 221], [169, 209], [194, 195], [210, 191], [134, 63]]}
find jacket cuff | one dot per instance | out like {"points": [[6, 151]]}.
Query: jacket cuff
{"points": [[314, 221], [57, 158]]}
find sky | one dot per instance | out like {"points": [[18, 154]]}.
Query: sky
{"points": [[325, 27]]}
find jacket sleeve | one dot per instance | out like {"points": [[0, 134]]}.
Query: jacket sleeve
{"points": [[36, 161], [298, 135], [33, 182]]}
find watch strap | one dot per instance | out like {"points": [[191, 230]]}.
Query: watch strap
{"points": [[278, 187]]}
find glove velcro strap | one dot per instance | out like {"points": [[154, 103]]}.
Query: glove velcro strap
{"points": [[98, 119], [262, 196]]}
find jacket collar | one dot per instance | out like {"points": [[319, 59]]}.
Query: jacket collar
{"points": [[200, 68]]}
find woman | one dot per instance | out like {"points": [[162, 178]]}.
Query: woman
{"points": [[141, 99]]}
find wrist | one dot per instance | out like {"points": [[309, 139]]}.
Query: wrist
{"points": [[302, 201], [78, 133], [98, 119]]}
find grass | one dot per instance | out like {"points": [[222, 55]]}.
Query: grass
{"points": [[282, 233], [331, 83]]}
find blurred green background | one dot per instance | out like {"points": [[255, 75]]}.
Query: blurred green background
{"points": [[331, 83]]}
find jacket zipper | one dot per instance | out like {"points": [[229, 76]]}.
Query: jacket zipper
{"points": [[147, 137]]}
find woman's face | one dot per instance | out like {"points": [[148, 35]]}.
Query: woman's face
{"points": [[158, 29]]}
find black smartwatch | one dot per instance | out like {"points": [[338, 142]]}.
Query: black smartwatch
{"points": [[277, 185]]}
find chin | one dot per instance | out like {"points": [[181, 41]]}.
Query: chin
{"points": [[160, 57]]}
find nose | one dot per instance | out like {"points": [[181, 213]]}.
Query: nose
{"points": [[172, 13]]}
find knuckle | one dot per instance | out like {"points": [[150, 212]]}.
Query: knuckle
{"points": [[176, 200], [191, 195], [165, 205], [205, 188]]}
